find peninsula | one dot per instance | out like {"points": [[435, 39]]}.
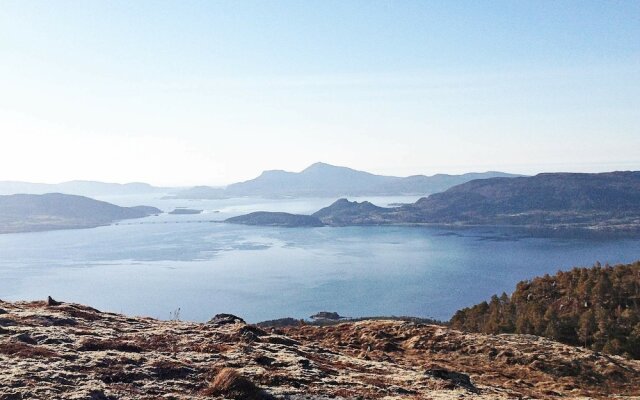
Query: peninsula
{"points": [[52, 211]]}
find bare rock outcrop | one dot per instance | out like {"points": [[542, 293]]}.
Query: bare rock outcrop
{"points": [[72, 351]]}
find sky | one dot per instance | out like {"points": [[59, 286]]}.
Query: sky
{"points": [[213, 92]]}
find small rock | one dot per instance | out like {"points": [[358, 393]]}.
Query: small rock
{"points": [[249, 337], [264, 360], [7, 322], [11, 396], [52, 302], [25, 338], [223, 319], [456, 378], [401, 390], [283, 340], [390, 347], [97, 395], [252, 330]]}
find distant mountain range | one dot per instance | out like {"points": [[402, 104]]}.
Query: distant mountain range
{"points": [[598, 202], [324, 180], [30, 212], [81, 188], [318, 180]]}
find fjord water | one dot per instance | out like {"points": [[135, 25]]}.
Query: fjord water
{"points": [[158, 264]]}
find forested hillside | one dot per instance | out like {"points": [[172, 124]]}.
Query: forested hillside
{"points": [[596, 307]]}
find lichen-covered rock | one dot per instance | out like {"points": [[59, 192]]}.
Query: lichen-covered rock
{"points": [[76, 352]]}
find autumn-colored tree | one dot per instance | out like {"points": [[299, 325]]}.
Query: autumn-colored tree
{"points": [[586, 327], [596, 307]]}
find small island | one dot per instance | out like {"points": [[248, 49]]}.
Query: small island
{"points": [[276, 219], [185, 211]]}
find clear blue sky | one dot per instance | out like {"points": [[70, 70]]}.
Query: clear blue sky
{"points": [[206, 92]]}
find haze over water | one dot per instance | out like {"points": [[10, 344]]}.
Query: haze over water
{"points": [[153, 266]]}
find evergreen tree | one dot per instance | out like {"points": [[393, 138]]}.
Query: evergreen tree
{"points": [[586, 327]]}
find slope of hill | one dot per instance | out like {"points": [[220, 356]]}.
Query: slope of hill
{"points": [[555, 202], [425, 185], [324, 180], [550, 198], [69, 351], [30, 212], [595, 307]]}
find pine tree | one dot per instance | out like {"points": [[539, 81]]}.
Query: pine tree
{"points": [[586, 327], [595, 307]]}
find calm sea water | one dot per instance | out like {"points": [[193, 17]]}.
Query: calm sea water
{"points": [[156, 265]]}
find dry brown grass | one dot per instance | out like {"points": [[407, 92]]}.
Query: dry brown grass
{"points": [[167, 369], [161, 343], [81, 314], [34, 304], [109, 344], [357, 394], [23, 350], [229, 383], [213, 348]]}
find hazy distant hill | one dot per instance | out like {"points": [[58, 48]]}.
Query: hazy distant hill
{"points": [[324, 180], [29, 212], [425, 185], [317, 180], [82, 188], [601, 202], [200, 192]]}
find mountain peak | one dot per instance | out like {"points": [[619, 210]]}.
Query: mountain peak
{"points": [[318, 166], [271, 172]]}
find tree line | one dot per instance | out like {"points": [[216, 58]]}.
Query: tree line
{"points": [[597, 307]]}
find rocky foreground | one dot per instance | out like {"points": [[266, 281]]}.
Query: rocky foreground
{"points": [[69, 351]]}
